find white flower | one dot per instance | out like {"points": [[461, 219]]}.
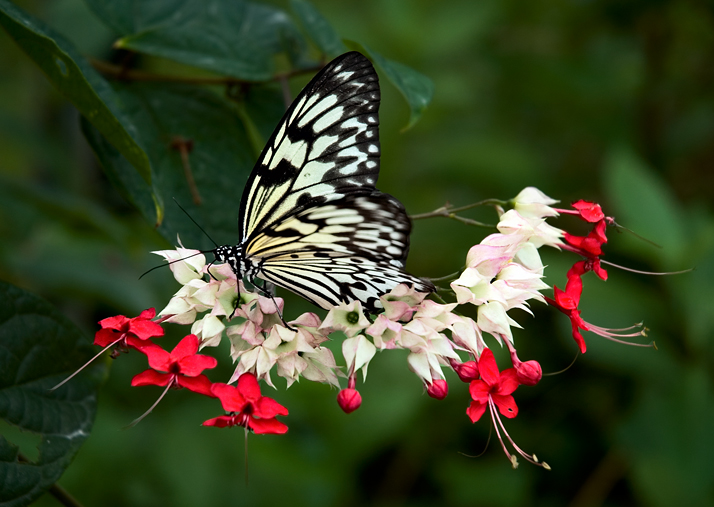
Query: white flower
{"points": [[358, 352], [492, 318], [348, 318], [466, 334], [535, 230], [532, 203]]}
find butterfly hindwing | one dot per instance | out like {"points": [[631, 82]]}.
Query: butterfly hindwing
{"points": [[326, 146]]}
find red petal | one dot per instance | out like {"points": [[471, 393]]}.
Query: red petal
{"points": [[200, 384], [506, 405], [152, 378], [509, 382], [600, 232], [589, 211], [268, 407], [222, 421], [479, 391], [116, 323], [194, 365], [158, 357], [476, 410], [230, 397], [264, 426], [188, 346], [599, 271], [104, 337], [149, 313], [488, 368], [248, 387], [145, 329], [578, 337]]}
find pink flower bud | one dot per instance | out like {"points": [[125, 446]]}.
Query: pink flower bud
{"points": [[467, 371], [349, 400], [438, 390], [529, 373]]}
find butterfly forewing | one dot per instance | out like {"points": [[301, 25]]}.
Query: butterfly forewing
{"points": [[371, 225], [311, 219], [326, 146]]}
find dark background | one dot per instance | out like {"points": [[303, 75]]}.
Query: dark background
{"points": [[605, 100]]}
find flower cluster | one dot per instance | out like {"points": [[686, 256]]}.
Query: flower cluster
{"points": [[502, 273]]}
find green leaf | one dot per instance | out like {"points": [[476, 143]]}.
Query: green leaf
{"points": [[231, 37], [318, 28], [643, 203], [668, 438], [220, 156], [76, 80], [416, 88], [39, 348]]}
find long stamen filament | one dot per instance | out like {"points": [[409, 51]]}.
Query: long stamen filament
{"points": [[152, 407], [89, 362]]}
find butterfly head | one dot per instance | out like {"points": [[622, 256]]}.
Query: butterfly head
{"points": [[233, 255]]}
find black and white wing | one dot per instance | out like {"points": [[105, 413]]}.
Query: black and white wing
{"points": [[326, 146], [352, 248]]}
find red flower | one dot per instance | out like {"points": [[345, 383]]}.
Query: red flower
{"points": [[132, 331], [247, 407], [567, 302], [124, 333], [494, 388], [181, 368]]}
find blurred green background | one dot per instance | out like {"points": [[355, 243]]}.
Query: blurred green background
{"points": [[605, 100]]}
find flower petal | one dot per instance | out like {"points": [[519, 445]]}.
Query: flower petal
{"points": [[199, 384], [265, 426], [188, 346], [266, 408], [506, 405], [248, 387], [476, 410], [222, 421], [488, 368], [230, 397], [152, 378]]}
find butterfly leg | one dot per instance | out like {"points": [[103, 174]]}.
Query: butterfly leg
{"points": [[269, 294]]}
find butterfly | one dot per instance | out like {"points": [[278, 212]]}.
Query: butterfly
{"points": [[311, 220]]}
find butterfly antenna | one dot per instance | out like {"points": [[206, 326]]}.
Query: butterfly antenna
{"points": [[195, 223]]}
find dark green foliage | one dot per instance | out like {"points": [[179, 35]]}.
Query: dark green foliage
{"points": [[611, 101]]}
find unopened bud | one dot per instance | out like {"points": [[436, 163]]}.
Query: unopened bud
{"points": [[438, 389], [467, 371], [349, 400], [529, 373]]}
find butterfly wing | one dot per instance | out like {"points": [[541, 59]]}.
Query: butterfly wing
{"points": [[326, 146], [352, 248]]}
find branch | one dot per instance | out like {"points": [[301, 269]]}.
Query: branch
{"points": [[449, 211]]}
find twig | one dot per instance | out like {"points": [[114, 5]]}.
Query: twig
{"points": [[184, 147], [57, 491]]}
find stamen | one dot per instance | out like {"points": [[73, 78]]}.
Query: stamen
{"points": [[89, 362], [152, 407]]}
